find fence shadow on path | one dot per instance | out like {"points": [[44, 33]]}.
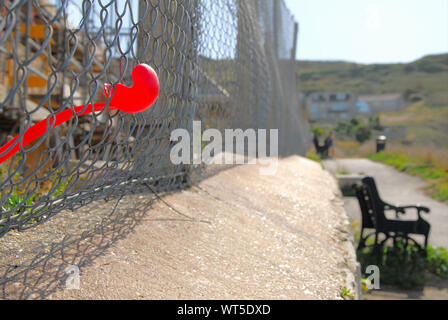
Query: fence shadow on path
{"points": [[77, 238], [41, 272]]}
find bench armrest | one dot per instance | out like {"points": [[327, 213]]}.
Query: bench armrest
{"points": [[403, 209], [419, 208], [397, 210], [391, 207]]}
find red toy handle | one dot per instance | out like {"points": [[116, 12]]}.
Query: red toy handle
{"points": [[137, 98]]}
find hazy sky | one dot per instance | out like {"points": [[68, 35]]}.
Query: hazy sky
{"points": [[369, 31]]}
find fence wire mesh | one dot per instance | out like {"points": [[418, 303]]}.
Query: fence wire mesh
{"points": [[228, 63]]}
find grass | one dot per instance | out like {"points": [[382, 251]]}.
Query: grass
{"points": [[426, 124], [22, 196], [315, 157], [425, 165], [346, 148], [346, 294]]}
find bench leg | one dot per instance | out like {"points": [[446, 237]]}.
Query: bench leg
{"points": [[376, 246], [362, 241]]}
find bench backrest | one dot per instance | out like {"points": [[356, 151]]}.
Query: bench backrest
{"points": [[365, 204], [376, 203], [370, 182]]}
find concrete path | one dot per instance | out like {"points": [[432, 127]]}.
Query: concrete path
{"points": [[235, 234], [396, 188], [435, 289]]}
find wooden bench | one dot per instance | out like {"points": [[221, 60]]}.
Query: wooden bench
{"points": [[373, 210]]}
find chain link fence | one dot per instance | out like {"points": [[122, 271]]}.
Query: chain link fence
{"points": [[228, 63]]}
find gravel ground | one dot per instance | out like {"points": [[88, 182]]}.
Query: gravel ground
{"points": [[234, 235]]}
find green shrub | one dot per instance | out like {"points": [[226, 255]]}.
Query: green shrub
{"points": [[357, 128], [363, 134], [399, 266], [405, 267], [318, 131], [438, 261]]}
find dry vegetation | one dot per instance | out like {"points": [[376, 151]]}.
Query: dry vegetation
{"points": [[425, 79], [424, 85]]}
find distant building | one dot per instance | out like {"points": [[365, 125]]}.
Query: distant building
{"points": [[383, 102], [331, 106], [340, 106]]}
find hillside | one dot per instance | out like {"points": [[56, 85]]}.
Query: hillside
{"points": [[425, 79], [424, 85]]}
